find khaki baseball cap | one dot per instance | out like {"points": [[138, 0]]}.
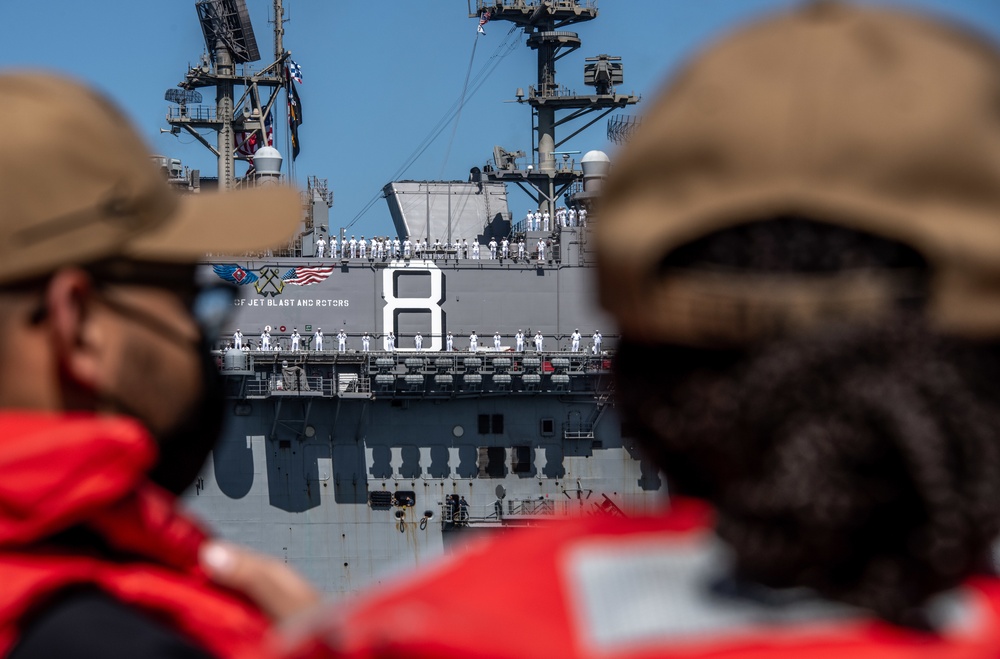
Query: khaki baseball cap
{"points": [[871, 119], [77, 184]]}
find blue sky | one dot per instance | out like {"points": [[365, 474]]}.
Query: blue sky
{"points": [[380, 76]]}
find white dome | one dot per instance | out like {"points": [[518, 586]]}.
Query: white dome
{"points": [[595, 156], [267, 160], [595, 164]]}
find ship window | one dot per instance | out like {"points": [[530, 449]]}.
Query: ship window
{"points": [[547, 427], [284, 443], [490, 424], [521, 460], [492, 462]]}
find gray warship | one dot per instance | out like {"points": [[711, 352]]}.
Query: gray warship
{"points": [[378, 451]]}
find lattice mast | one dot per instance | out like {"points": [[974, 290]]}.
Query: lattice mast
{"points": [[543, 22], [230, 46]]}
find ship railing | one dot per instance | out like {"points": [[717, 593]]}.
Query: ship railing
{"points": [[192, 113], [276, 385], [585, 432], [531, 4], [524, 510], [562, 507]]}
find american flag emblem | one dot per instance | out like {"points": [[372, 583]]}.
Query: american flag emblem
{"points": [[306, 276]]}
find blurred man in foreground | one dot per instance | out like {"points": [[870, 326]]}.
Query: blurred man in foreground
{"points": [[801, 246], [109, 401]]}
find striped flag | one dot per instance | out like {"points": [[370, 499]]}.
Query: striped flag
{"points": [[306, 276]]}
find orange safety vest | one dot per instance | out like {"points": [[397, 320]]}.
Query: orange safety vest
{"points": [[622, 588], [59, 472]]}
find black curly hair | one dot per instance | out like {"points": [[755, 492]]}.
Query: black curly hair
{"points": [[861, 460]]}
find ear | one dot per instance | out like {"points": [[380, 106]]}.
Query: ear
{"points": [[77, 336]]}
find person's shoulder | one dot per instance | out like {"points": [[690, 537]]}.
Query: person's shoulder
{"points": [[89, 623]]}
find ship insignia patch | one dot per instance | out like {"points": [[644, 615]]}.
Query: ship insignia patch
{"points": [[306, 276], [234, 274]]}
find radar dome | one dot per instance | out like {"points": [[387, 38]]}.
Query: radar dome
{"points": [[267, 161], [595, 163], [595, 166]]}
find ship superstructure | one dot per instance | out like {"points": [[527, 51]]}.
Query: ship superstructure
{"points": [[396, 409]]}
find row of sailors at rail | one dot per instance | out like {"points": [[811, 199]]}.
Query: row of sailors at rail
{"points": [[565, 217], [382, 248], [418, 341]]}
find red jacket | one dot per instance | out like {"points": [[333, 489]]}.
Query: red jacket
{"points": [[64, 471], [624, 588]]}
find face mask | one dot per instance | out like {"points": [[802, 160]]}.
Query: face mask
{"points": [[185, 447]]}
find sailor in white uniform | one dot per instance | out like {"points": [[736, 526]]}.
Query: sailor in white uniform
{"points": [[418, 248], [353, 247], [597, 342], [583, 217], [546, 221], [505, 248], [341, 340], [475, 250], [493, 248], [362, 248], [520, 250], [318, 339], [418, 341], [496, 341], [575, 340], [265, 339], [529, 221], [572, 217], [333, 248], [465, 248], [395, 247], [390, 340], [449, 343], [541, 250], [238, 339], [296, 337], [473, 342], [320, 247], [519, 340], [407, 248], [539, 340]]}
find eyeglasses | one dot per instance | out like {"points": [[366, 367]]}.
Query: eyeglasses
{"points": [[211, 306]]}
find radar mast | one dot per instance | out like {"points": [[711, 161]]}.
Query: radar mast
{"points": [[543, 22], [231, 49]]}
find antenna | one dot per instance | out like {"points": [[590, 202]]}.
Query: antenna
{"points": [[228, 22], [620, 128], [182, 96], [230, 47]]}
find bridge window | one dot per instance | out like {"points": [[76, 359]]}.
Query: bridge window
{"points": [[547, 427]]}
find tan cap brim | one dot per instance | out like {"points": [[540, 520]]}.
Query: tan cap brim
{"points": [[223, 223]]}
